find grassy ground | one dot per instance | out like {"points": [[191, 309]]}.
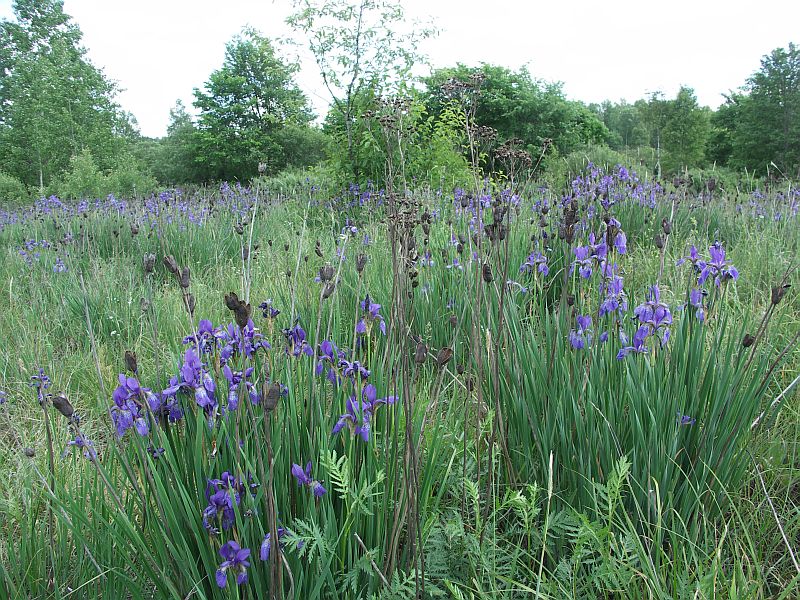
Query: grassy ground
{"points": [[520, 467]]}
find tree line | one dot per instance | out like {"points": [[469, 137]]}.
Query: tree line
{"points": [[62, 131]]}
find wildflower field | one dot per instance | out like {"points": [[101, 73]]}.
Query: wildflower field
{"points": [[510, 391]]}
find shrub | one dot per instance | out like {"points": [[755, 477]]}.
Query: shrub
{"points": [[12, 190]]}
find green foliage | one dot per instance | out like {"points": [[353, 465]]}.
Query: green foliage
{"points": [[128, 179], [762, 125], [244, 107], [685, 131], [84, 180], [12, 190], [363, 49], [53, 102], [519, 106]]}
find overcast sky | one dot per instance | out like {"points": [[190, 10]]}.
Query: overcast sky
{"points": [[159, 50]]}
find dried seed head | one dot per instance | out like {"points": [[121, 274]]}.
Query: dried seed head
{"points": [[318, 249], [666, 226], [130, 361], [63, 405], [327, 292], [421, 353], [326, 273], [239, 228], [29, 452], [172, 265], [487, 273], [134, 229], [453, 321], [185, 278], [231, 300], [149, 263], [778, 292], [469, 381], [460, 369], [748, 340], [361, 262], [570, 300], [144, 305], [242, 314], [271, 397], [658, 241], [191, 303], [444, 356]]}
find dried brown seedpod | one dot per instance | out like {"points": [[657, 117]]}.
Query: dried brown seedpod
{"points": [[421, 353], [185, 278], [271, 397], [778, 292], [172, 265], [130, 361], [62, 404], [149, 262], [231, 300], [444, 356]]}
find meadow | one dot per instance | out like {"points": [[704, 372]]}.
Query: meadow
{"points": [[513, 390]]}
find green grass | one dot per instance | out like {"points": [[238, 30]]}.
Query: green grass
{"points": [[540, 471]]}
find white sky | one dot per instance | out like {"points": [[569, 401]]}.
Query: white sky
{"points": [[159, 50]]}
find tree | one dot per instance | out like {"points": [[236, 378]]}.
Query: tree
{"points": [[243, 109], [624, 122], [519, 106], [685, 131], [361, 50], [178, 150], [768, 127], [53, 101]]}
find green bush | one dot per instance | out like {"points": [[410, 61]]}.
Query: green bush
{"points": [[84, 180], [12, 190], [129, 179]]}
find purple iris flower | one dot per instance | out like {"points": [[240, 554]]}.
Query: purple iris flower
{"points": [[581, 337], [654, 313], [205, 339], [358, 415], [455, 265], [583, 261], [615, 299], [296, 342], [80, 442], [353, 369], [237, 340], [621, 242], [267, 310], [371, 315], [718, 267], [696, 296], [685, 419], [128, 409], [194, 378], [693, 257], [304, 478], [537, 261], [638, 346], [597, 250], [266, 545], [223, 495], [328, 358], [235, 561], [235, 380]]}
